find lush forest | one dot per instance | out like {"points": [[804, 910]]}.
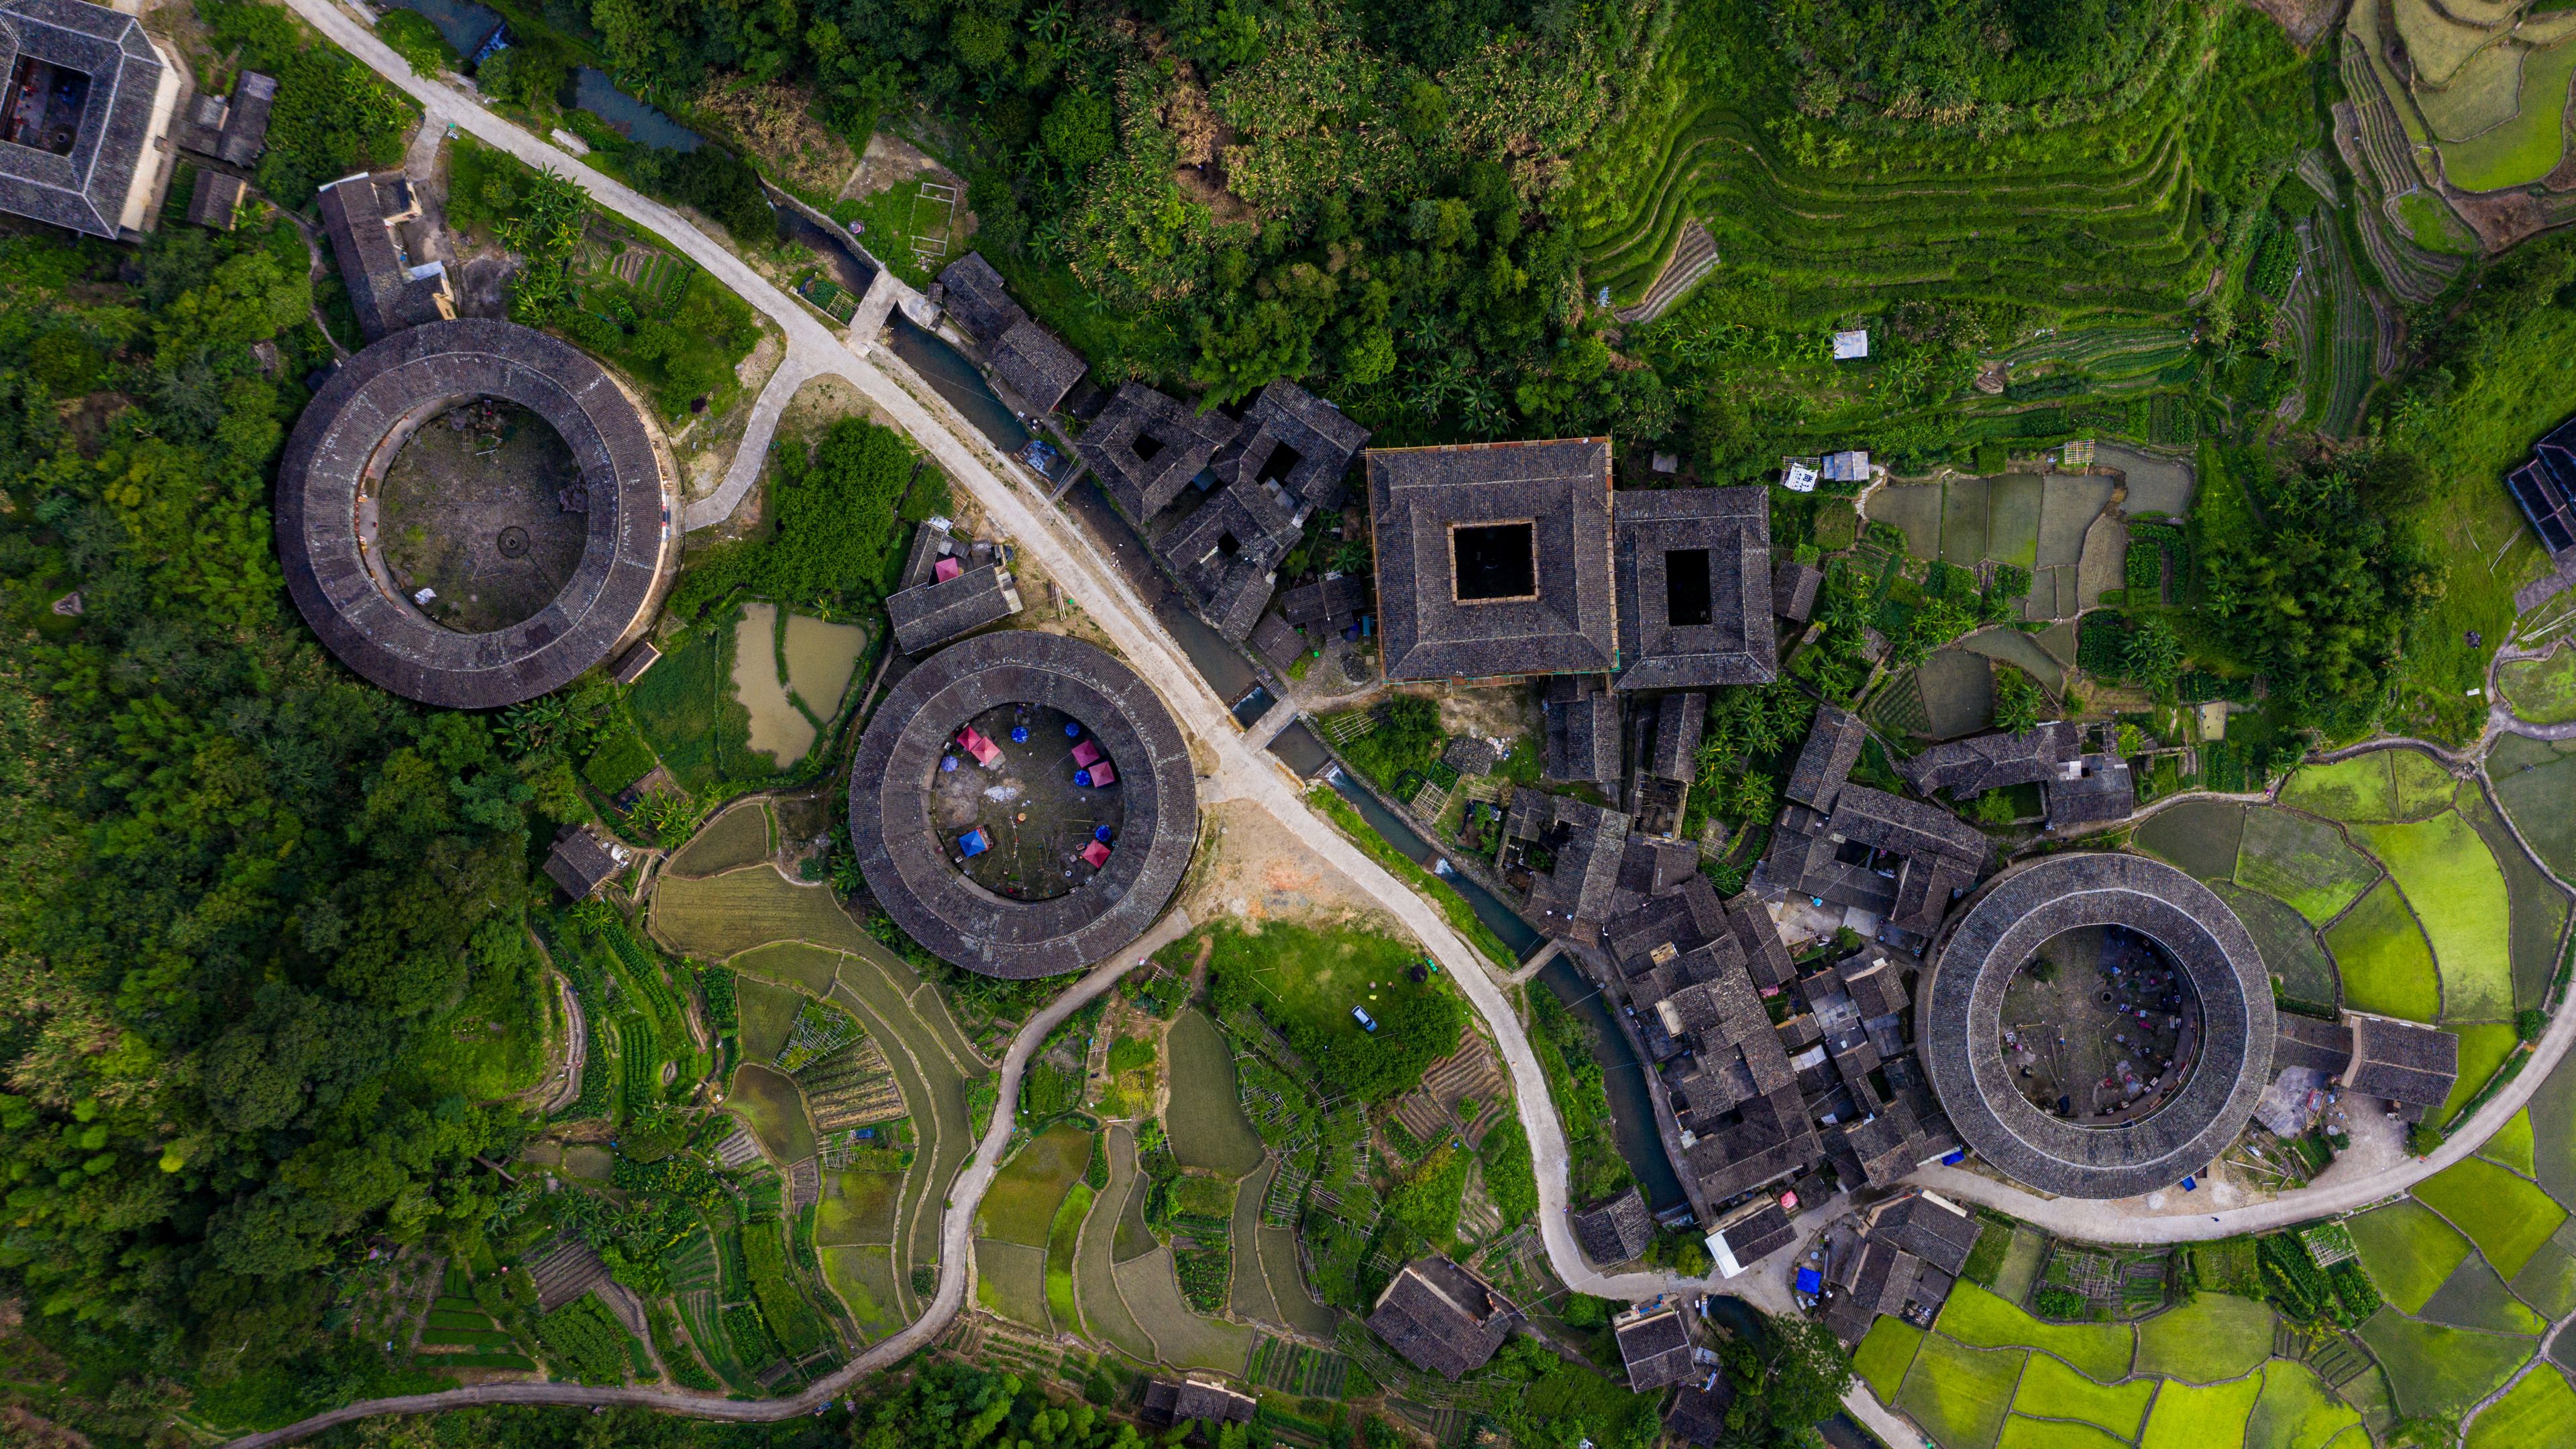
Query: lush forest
{"points": [[243, 888]]}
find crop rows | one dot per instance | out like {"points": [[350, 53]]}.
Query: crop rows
{"points": [[819, 1031], [2346, 331], [857, 1061], [855, 1105]]}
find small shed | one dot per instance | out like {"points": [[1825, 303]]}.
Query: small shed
{"points": [[1852, 345], [1851, 467]]}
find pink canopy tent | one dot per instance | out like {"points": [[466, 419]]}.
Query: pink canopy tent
{"points": [[1085, 753], [985, 751], [946, 569], [1095, 855]]}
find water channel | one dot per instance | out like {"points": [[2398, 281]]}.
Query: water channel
{"points": [[594, 92]]}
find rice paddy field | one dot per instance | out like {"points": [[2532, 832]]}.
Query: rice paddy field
{"points": [[2542, 691], [2541, 1409], [1979, 1319], [2382, 957], [2534, 782], [2187, 1416], [1960, 1394], [2051, 1390], [2438, 1370], [2457, 892], [739, 837], [1020, 1206], [2214, 1337], [2200, 837], [724, 915], [1206, 1123], [2303, 862]]}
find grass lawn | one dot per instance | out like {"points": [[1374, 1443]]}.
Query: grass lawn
{"points": [[2296, 1410], [2506, 1216], [2476, 1298], [2049, 1389], [739, 837], [1979, 1319], [1205, 1119], [2381, 956], [2511, 1146], [1021, 1205], [2542, 690], [2484, 1047], [2408, 1251], [2215, 1336], [2198, 836], [685, 708], [2190, 1417], [1061, 1240], [2539, 1410], [2457, 891], [1305, 981], [1959, 1394], [1885, 1354], [769, 1101], [2360, 788], [2437, 1371], [2302, 861], [2024, 1433]]}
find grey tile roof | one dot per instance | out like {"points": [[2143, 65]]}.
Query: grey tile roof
{"points": [[215, 199], [1326, 603], [978, 301], [2102, 792], [906, 865], [1793, 590], [1146, 447], [1561, 490], [613, 591], [1035, 363], [245, 132], [1940, 1235], [1698, 1416], [1469, 755], [1583, 736], [1615, 1231], [1680, 718], [1766, 956], [1826, 760], [2324, 1047], [1587, 842], [1296, 439], [1443, 1318], [89, 186], [2402, 1062], [1224, 551], [1961, 1013], [1756, 1230], [1875, 982], [1970, 767], [1656, 1347], [928, 615], [1277, 642], [384, 293], [580, 860], [1699, 548], [1189, 1400]]}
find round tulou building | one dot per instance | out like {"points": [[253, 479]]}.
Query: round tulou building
{"points": [[2097, 1025], [1022, 804], [472, 513]]}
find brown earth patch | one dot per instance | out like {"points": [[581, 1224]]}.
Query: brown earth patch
{"points": [[777, 121]]}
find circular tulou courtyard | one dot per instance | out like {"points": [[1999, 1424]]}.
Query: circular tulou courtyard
{"points": [[2100, 1026], [1033, 811], [482, 516]]}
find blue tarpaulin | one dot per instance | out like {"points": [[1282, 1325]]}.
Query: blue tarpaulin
{"points": [[1810, 1282], [973, 842]]}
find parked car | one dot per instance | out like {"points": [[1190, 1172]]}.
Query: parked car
{"points": [[1364, 1019]]}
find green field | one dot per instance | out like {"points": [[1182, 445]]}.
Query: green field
{"points": [[1885, 1354], [2553, 1134], [2291, 952], [715, 918], [2527, 147], [2360, 788], [2505, 1215], [2408, 1251], [2296, 1410], [2542, 691], [1979, 1319], [2302, 861], [2440, 1371], [2458, 894], [2214, 1336], [2537, 799], [2051, 1390], [1959, 1394], [2476, 1298], [1061, 1242], [1205, 1120], [766, 1012], [2540, 1410], [2381, 956], [2484, 1047], [863, 1279], [1020, 1207], [2511, 1145], [2190, 1417], [792, 963], [2548, 1281], [770, 1103], [2539, 906], [739, 837], [861, 1212], [1010, 1279], [2026, 1433], [2198, 836], [685, 708]]}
